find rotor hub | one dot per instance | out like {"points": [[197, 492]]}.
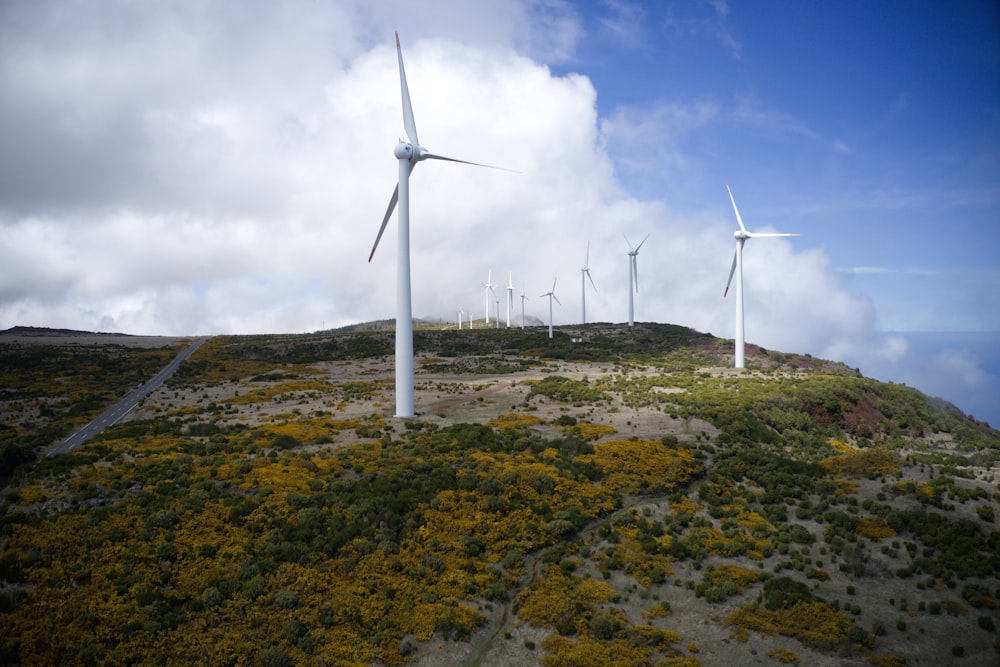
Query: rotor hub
{"points": [[740, 235]]}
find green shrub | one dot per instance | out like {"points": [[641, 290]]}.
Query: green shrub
{"points": [[286, 598], [783, 592]]}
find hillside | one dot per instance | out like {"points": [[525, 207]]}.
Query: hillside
{"points": [[613, 494]]}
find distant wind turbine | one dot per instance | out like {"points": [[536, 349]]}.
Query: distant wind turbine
{"points": [[498, 310], [633, 277], [460, 313], [489, 288], [741, 236], [408, 153], [510, 296], [552, 295], [584, 275], [523, 297]]}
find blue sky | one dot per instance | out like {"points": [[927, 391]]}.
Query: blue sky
{"points": [[190, 167], [872, 128]]}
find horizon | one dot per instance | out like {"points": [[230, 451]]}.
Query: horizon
{"points": [[983, 406]]}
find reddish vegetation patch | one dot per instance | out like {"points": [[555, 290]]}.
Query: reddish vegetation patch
{"points": [[862, 419]]}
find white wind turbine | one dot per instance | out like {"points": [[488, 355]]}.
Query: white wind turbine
{"points": [[633, 277], [510, 296], [741, 236], [523, 297], [489, 288], [460, 314], [408, 153], [552, 295], [584, 275]]}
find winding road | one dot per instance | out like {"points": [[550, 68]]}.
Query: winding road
{"points": [[111, 416]]}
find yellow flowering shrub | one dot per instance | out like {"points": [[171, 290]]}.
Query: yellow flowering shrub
{"points": [[813, 623], [514, 420], [784, 655], [679, 661], [875, 528], [555, 597], [590, 431], [842, 447], [565, 652], [742, 577], [642, 466], [919, 490], [864, 463], [887, 660], [658, 610]]}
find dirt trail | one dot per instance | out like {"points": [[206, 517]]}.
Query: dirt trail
{"points": [[441, 406]]}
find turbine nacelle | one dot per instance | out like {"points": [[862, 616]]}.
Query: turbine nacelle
{"points": [[404, 151]]}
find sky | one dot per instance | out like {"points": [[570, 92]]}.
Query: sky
{"points": [[193, 167]]}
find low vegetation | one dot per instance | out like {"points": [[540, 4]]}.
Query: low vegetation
{"points": [[618, 492]]}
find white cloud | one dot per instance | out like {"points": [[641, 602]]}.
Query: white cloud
{"points": [[251, 200]]}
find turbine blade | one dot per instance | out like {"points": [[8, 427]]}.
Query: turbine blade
{"points": [[629, 243], [408, 122], [554, 284], [587, 271], [385, 220], [755, 235], [426, 155], [643, 241], [557, 299], [635, 273], [732, 270], [738, 218], [586, 261]]}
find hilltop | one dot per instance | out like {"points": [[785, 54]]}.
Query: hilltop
{"points": [[611, 492]]}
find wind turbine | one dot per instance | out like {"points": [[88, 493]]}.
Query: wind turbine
{"points": [[633, 277], [523, 297], [585, 273], [510, 296], [552, 295], [489, 288], [460, 314], [741, 236], [498, 310], [408, 153]]}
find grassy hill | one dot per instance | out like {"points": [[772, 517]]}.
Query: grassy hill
{"points": [[611, 495]]}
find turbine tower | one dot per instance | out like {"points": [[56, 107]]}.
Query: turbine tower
{"points": [[584, 276], [408, 153], [552, 295], [633, 277], [510, 296], [741, 236], [523, 297]]}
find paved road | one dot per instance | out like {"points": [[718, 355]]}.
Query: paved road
{"points": [[111, 416]]}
